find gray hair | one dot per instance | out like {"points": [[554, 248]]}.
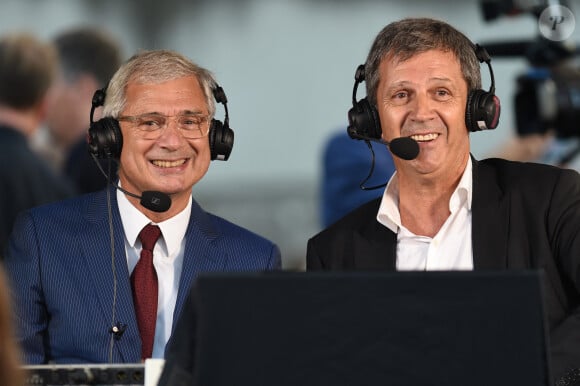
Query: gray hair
{"points": [[152, 67], [404, 39]]}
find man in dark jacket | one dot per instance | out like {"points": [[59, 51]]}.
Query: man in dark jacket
{"points": [[444, 210], [27, 69]]}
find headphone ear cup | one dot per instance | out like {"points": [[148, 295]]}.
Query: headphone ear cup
{"points": [[105, 139], [482, 111], [469, 108], [364, 121], [221, 140]]}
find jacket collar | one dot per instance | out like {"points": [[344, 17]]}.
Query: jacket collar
{"points": [[376, 246], [490, 219]]}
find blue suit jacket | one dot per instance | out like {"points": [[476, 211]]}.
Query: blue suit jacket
{"points": [[60, 263]]}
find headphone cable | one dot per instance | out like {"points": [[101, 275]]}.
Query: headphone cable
{"points": [[113, 268], [372, 169]]}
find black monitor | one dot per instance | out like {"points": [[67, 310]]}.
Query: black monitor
{"points": [[353, 329]]}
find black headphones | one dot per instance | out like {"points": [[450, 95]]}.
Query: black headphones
{"points": [[106, 141], [481, 113]]}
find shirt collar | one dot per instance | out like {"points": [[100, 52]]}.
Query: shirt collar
{"points": [[389, 214], [172, 230]]}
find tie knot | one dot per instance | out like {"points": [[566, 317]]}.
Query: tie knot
{"points": [[149, 235]]}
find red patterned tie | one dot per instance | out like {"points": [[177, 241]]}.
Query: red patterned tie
{"points": [[144, 283]]}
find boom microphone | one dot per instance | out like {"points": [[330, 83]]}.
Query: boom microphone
{"points": [[403, 147], [150, 199]]}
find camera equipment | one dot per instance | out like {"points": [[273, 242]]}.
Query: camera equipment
{"points": [[548, 93], [492, 9]]}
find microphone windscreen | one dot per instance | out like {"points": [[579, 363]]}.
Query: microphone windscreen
{"points": [[404, 147], [155, 201]]}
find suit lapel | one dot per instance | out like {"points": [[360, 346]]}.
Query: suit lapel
{"points": [[96, 246], [200, 255], [490, 218], [375, 247]]}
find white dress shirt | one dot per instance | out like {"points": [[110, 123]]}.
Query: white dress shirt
{"points": [[167, 259], [450, 249]]}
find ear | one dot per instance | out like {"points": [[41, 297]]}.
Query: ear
{"points": [[41, 109], [85, 85]]}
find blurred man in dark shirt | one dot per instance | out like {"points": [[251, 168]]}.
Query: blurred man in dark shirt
{"points": [[27, 69], [88, 58]]}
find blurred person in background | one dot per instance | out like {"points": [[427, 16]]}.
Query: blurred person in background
{"points": [[88, 59], [546, 148], [346, 163], [27, 70]]}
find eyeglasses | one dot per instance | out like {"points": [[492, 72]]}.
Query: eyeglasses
{"points": [[149, 126]]}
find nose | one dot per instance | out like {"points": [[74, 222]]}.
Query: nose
{"points": [[170, 134], [422, 108]]}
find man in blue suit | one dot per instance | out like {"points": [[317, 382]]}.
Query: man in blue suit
{"points": [[70, 263]]}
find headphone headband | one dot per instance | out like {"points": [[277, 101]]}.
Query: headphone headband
{"points": [[105, 139], [481, 113]]}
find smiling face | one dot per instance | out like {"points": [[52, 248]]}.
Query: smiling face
{"points": [[425, 97], [170, 163]]}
